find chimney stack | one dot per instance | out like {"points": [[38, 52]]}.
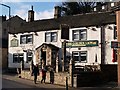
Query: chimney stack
{"points": [[99, 6], [3, 18], [57, 12], [31, 15]]}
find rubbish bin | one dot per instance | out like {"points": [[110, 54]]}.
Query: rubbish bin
{"points": [[75, 81]]}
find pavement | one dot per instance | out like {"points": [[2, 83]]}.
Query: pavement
{"points": [[108, 86], [30, 82]]}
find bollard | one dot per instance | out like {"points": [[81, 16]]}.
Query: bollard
{"points": [[66, 83]]}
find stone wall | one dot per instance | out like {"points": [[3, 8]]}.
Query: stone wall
{"points": [[3, 58], [110, 72], [59, 78]]}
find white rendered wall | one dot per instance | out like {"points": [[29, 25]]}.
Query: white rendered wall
{"points": [[39, 39], [109, 33], [19, 49], [91, 51]]}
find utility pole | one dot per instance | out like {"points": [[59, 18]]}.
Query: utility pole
{"points": [[64, 55], [102, 44], [66, 83], [9, 22]]}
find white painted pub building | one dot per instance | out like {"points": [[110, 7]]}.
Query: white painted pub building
{"points": [[86, 38]]}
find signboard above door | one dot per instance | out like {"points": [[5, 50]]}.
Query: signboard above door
{"points": [[89, 43]]}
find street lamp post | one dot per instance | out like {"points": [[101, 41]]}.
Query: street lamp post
{"points": [[9, 14], [8, 8], [8, 21]]}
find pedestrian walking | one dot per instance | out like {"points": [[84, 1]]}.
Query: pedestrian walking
{"points": [[35, 72], [51, 76], [43, 75]]}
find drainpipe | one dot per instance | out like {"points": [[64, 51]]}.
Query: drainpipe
{"points": [[118, 38], [64, 56], [102, 45]]}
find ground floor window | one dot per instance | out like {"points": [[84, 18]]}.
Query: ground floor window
{"points": [[17, 57], [29, 56], [80, 56]]}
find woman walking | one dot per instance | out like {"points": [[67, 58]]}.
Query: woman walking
{"points": [[43, 75]]}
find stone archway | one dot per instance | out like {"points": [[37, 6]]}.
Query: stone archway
{"points": [[47, 55]]}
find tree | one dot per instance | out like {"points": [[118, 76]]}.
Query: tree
{"points": [[72, 8]]}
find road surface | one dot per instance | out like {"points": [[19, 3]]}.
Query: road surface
{"points": [[13, 83]]}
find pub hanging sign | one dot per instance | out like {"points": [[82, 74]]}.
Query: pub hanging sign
{"points": [[14, 43], [89, 43]]}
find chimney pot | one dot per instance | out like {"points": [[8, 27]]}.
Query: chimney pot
{"points": [[32, 8]]}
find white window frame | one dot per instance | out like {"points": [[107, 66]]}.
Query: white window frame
{"points": [[51, 37], [31, 38], [76, 33], [84, 34], [23, 39], [18, 55], [26, 37], [95, 9], [54, 37], [83, 53], [29, 55], [79, 32], [79, 56], [103, 7], [112, 4]]}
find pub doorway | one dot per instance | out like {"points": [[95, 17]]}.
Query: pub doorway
{"points": [[44, 58], [47, 55]]}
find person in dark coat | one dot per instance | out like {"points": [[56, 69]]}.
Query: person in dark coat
{"points": [[43, 75], [35, 72], [51, 76]]}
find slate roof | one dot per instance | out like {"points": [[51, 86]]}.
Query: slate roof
{"points": [[81, 20], [14, 21]]}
